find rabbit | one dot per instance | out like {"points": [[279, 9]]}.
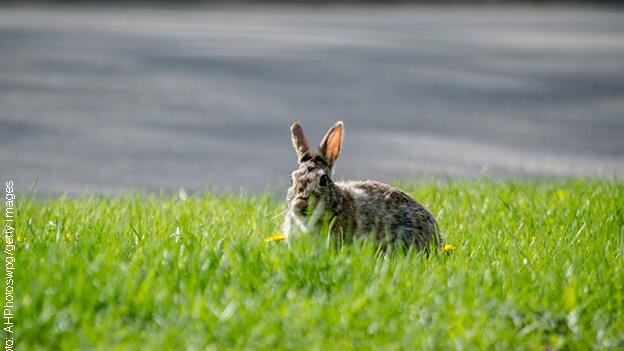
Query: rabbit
{"points": [[354, 208]]}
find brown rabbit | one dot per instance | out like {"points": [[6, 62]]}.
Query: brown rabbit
{"points": [[353, 207]]}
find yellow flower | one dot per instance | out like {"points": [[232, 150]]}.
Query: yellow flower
{"points": [[275, 237], [448, 248], [68, 237], [562, 194]]}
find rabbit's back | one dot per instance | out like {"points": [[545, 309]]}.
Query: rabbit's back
{"points": [[389, 213]]}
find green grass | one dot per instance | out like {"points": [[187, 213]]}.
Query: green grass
{"points": [[537, 265]]}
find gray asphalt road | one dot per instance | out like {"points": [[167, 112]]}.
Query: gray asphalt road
{"points": [[104, 100]]}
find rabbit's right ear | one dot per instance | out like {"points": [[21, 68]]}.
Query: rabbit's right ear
{"points": [[300, 143], [331, 144]]}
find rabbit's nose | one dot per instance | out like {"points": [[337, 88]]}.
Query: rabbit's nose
{"points": [[300, 191]]}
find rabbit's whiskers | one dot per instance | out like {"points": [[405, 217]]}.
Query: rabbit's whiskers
{"points": [[280, 214]]}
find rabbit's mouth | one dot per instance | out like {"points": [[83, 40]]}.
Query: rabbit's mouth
{"points": [[301, 207]]}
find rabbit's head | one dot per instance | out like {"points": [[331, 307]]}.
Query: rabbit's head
{"points": [[311, 183]]}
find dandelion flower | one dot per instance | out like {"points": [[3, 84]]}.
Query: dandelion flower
{"points": [[447, 248], [275, 237], [562, 194]]}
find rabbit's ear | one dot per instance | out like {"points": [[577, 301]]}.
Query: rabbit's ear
{"points": [[330, 146], [300, 143]]}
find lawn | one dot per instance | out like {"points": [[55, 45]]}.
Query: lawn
{"points": [[536, 265]]}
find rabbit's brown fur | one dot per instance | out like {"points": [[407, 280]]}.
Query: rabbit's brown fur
{"points": [[354, 207]]}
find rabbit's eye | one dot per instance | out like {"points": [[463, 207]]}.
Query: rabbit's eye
{"points": [[324, 180]]}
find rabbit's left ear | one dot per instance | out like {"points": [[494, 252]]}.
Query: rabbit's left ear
{"points": [[330, 146], [300, 143]]}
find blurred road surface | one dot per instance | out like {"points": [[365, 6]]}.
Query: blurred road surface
{"points": [[101, 100]]}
